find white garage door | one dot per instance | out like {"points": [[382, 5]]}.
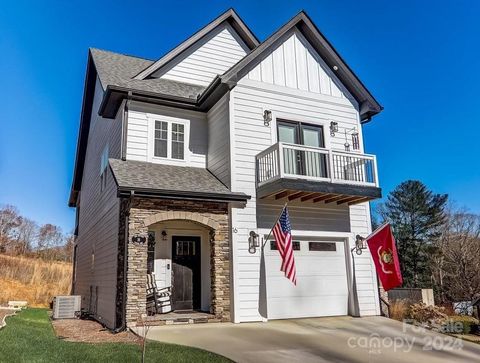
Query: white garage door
{"points": [[321, 289]]}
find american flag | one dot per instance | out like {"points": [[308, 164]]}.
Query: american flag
{"points": [[283, 239]]}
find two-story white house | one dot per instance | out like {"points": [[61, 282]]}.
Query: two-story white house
{"points": [[184, 163]]}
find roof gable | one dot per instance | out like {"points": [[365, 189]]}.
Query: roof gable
{"points": [[230, 17], [213, 55], [368, 105], [296, 64]]}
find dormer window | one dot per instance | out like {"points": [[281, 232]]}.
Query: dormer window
{"points": [[169, 138]]}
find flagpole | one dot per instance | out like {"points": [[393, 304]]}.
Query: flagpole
{"points": [[281, 212]]}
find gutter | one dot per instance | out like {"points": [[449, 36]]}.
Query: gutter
{"points": [[145, 96], [123, 151], [123, 326], [181, 195]]}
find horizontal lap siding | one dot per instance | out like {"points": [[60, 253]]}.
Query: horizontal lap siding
{"points": [[213, 56], [218, 159], [365, 273], [99, 217], [140, 141], [249, 137]]}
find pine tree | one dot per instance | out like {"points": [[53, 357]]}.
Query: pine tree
{"points": [[417, 216]]}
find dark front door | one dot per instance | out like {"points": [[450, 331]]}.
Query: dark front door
{"points": [[186, 273]]}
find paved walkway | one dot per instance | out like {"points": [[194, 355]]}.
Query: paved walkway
{"points": [[339, 339]]}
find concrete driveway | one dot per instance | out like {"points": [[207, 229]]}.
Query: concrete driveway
{"points": [[339, 339]]}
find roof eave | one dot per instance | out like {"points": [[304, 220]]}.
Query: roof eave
{"points": [[84, 128], [114, 96], [124, 191]]}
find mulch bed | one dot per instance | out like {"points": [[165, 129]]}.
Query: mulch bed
{"points": [[89, 331]]}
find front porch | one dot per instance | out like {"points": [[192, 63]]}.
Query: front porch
{"points": [[181, 247]]}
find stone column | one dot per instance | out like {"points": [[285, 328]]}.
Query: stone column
{"points": [[220, 270], [136, 270]]}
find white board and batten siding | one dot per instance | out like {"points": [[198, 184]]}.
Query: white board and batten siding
{"points": [[140, 134], [210, 57], [309, 93]]}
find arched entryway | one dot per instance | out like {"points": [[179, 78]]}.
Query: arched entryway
{"points": [[204, 226]]}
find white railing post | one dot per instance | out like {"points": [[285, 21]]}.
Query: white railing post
{"points": [[330, 165], [375, 171], [280, 159]]}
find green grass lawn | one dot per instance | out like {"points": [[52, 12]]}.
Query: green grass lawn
{"points": [[29, 337]]}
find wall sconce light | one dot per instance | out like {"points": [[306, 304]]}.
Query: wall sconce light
{"points": [[164, 235], [253, 242], [355, 141], [333, 128], [360, 244], [267, 117]]}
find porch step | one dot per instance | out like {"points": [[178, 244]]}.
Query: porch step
{"points": [[181, 319]]}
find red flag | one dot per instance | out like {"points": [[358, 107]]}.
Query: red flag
{"points": [[384, 254]]}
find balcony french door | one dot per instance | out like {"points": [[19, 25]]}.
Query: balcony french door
{"points": [[300, 162]]}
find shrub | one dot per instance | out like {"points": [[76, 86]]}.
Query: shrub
{"points": [[426, 314], [468, 324]]}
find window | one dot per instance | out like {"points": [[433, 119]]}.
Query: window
{"points": [[303, 162], [322, 246], [169, 139], [185, 248], [178, 143], [103, 168], [161, 141], [295, 245]]}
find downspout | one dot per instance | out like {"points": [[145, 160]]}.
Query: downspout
{"points": [[125, 126], [125, 267]]}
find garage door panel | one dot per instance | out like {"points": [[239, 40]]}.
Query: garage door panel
{"points": [[309, 266], [307, 286], [302, 307], [321, 290]]}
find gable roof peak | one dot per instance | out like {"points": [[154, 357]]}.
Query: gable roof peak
{"points": [[229, 16], [369, 106]]}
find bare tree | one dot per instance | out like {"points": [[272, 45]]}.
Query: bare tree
{"points": [[455, 262], [10, 219], [26, 233], [50, 237]]}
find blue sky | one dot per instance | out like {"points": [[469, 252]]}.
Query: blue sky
{"points": [[419, 58]]}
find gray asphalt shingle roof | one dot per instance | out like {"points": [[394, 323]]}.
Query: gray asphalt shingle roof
{"points": [[118, 70], [138, 175]]}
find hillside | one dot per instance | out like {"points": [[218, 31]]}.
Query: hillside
{"points": [[33, 279]]}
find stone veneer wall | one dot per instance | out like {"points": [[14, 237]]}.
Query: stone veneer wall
{"points": [[142, 213]]}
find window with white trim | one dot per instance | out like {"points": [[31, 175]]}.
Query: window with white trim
{"points": [[161, 139], [178, 141], [170, 139]]}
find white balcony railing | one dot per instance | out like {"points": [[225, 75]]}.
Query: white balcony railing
{"points": [[283, 160]]}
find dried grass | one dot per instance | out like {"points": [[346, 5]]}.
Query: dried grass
{"points": [[399, 309], [34, 280]]}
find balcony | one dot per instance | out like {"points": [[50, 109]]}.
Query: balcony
{"points": [[297, 172]]}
